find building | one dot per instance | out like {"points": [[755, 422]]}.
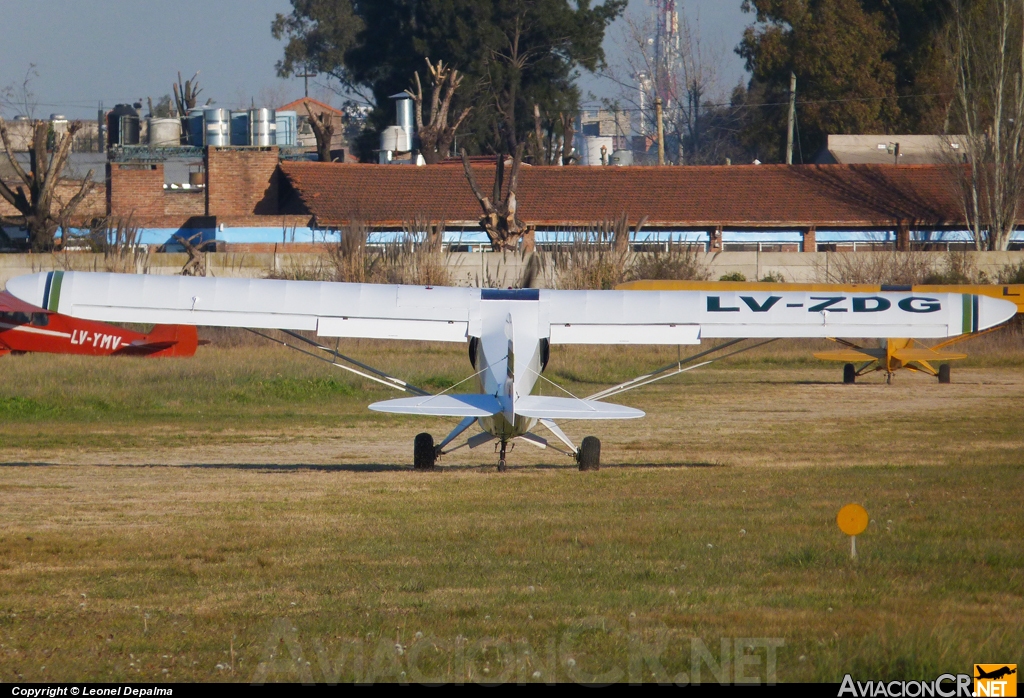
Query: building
{"points": [[900, 149], [252, 198]]}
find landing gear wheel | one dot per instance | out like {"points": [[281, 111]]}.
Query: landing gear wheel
{"points": [[849, 374], [501, 459], [424, 456], [589, 455], [889, 376], [944, 373]]}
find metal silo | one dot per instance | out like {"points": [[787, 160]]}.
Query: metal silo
{"points": [[239, 128], [218, 125], [164, 133], [262, 127]]}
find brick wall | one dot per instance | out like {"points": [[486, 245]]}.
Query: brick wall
{"points": [[136, 190], [93, 206], [241, 181]]}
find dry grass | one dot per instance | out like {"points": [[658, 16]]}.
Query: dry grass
{"points": [[415, 258], [256, 494]]}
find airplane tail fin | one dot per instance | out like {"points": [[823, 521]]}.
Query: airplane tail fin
{"points": [[165, 340]]}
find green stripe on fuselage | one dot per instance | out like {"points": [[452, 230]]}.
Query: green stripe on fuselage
{"points": [[968, 321], [54, 300]]}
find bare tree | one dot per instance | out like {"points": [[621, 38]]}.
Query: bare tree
{"points": [[322, 124], [437, 134], [186, 94], [551, 140], [683, 74], [988, 59], [34, 197], [20, 96], [499, 221]]}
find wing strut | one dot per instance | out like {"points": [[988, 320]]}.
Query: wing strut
{"points": [[383, 379], [676, 368]]}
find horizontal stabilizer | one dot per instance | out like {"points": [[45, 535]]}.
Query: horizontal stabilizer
{"points": [[470, 405], [572, 408], [851, 355], [925, 354]]}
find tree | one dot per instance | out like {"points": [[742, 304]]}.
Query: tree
{"points": [[841, 52], [987, 40], [437, 134], [372, 50], [186, 94], [322, 124], [35, 197], [685, 76], [499, 221]]}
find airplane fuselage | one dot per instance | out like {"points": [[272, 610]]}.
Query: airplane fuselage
{"points": [[508, 358]]}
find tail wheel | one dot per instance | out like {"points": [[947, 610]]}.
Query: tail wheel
{"points": [[944, 373], [424, 456], [589, 456], [849, 374]]}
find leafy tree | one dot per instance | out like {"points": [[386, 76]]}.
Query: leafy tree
{"points": [[838, 51], [512, 53]]}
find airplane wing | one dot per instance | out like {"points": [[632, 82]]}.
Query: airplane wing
{"points": [[454, 314]]}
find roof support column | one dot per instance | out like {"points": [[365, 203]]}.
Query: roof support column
{"points": [[810, 243], [903, 237]]}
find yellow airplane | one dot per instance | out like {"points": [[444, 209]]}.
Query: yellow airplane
{"points": [[892, 354]]}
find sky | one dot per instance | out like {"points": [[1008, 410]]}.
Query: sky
{"points": [[115, 51]]}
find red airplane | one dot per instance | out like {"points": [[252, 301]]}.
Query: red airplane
{"points": [[26, 328]]}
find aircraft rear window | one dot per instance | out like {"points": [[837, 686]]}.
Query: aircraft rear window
{"points": [[40, 319], [14, 318]]}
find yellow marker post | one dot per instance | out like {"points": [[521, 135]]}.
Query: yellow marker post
{"points": [[852, 520]]}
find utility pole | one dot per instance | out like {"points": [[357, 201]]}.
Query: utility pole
{"points": [[306, 75], [661, 131], [101, 128], [792, 117]]}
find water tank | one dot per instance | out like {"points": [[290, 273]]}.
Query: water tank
{"points": [[122, 126], [262, 127], [239, 128], [192, 132], [394, 138], [287, 128], [590, 153], [58, 117], [218, 124], [621, 158], [164, 133]]}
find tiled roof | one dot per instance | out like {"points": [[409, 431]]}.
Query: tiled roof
{"points": [[754, 196], [314, 104]]}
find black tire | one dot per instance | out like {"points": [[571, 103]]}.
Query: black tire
{"points": [[423, 454], [849, 374], [944, 373], [590, 453]]}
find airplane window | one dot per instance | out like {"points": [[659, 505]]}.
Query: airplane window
{"points": [[40, 319], [4, 318], [20, 318]]}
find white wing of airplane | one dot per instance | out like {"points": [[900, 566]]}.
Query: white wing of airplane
{"points": [[509, 331], [454, 314]]}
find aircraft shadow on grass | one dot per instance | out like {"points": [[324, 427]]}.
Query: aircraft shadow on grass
{"points": [[365, 467]]}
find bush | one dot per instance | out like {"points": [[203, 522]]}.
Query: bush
{"points": [[732, 276]]}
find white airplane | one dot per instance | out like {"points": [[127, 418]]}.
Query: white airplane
{"points": [[509, 332]]}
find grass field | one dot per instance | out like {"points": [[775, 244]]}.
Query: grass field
{"points": [[241, 516]]}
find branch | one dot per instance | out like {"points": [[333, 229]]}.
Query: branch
{"points": [[19, 170], [485, 203]]}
